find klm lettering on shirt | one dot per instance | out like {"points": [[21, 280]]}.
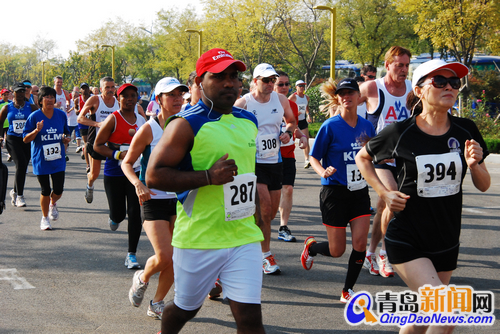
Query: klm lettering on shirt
{"points": [[19, 115], [397, 112], [52, 135], [349, 156]]}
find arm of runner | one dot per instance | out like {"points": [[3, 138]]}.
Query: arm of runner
{"points": [[90, 106], [308, 115], [140, 110], [473, 153], [103, 136], [3, 116], [32, 135], [291, 122], [369, 94], [241, 103], [396, 200], [142, 138], [324, 173], [177, 140]]}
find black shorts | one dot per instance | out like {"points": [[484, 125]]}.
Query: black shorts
{"points": [[90, 149], [339, 206], [159, 209], [270, 174], [57, 183], [84, 132], [289, 171], [402, 252], [388, 167], [303, 124]]}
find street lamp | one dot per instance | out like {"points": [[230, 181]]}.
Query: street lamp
{"points": [[43, 72], [112, 59], [200, 39], [333, 12]]}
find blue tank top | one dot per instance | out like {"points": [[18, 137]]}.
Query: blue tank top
{"points": [[17, 118]]}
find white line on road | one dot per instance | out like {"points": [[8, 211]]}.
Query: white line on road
{"points": [[17, 282]]}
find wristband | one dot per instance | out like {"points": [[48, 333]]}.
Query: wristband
{"points": [[116, 155], [209, 180], [290, 134]]}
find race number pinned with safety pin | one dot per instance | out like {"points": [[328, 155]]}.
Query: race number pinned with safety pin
{"points": [[355, 181], [239, 197], [18, 125], [52, 152], [439, 175]]}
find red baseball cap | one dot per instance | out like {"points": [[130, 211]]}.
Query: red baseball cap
{"points": [[4, 91], [216, 61], [125, 86]]}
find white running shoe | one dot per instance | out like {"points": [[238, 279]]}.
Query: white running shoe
{"points": [[53, 213], [371, 264], [269, 266], [156, 310], [20, 202], [385, 268], [45, 224], [79, 149], [307, 164], [136, 292], [13, 196], [346, 295]]}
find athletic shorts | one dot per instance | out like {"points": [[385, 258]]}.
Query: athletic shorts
{"points": [[339, 206], [289, 171], [401, 252], [303, 124], [77, 131], [270, 174], [84, 132], [239, 270], [90, 149], [159, 209], [57, 183]]}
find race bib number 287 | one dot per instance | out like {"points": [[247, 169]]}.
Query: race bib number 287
{"points": [[239, 197]]}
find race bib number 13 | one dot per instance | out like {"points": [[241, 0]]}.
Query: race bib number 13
{"points": [[239, 197], [439, 175]]}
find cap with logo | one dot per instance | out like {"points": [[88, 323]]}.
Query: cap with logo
{"points": [[217, 60], [125, 86], [264, 71], [3, 91], [347, 83], [168, 84], [18, 86], [300, 82], [459, 69]]}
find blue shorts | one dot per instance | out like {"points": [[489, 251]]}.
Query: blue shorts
{"points": [[77, 131]]}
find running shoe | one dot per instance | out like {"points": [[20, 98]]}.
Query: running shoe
{"points": [[346, 295], [285, 234], [112, 225], [87, 170], [53, 213], [79, 149], [45, 224], [9, 158], [136, 292], [216, 290], [13, 196], [373, 211], [67, 158], [305, 258], [156, 310], [20, 202], [371, 264], [82, 155], [307, 164], [89, 195], [270, 267], [131, 262], [385, 268]]}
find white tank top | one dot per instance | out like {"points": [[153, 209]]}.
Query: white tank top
{"points": [[269, 116], [362, 110], [103, 111], [302, 104], [61, 99]]}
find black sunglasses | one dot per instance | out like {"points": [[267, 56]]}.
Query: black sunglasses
{"points": [[281, 84], [439, 81], [268, 80], [371, 76]]}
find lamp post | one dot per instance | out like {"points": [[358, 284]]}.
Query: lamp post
{"points": [[200, 39], [43, 72], [112, 59], [333, 12]]}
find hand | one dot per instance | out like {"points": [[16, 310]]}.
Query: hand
{"points": [[143, 193], [66, 140], [473, 153], [395, 200], [303, 142], [39, 126], [122, 155], [223, 171], [285, 138], [329, 171]]}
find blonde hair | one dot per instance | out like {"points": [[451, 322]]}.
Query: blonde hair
{"points": [[330, 100]]}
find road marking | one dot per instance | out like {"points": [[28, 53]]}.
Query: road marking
{"points": [[472, 210], [17, 282]]}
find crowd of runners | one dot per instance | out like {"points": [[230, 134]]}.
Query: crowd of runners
{"points": [[204, 170]]}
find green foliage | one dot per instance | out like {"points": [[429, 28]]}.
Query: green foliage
{"points": [[485, 83], [487, 125], [493, 144], [314, 104], [313, 129]]}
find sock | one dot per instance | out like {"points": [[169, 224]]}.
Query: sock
{"points": [[382, 252], [353, 268], [90, 187], [266, 254], [322, 248]]}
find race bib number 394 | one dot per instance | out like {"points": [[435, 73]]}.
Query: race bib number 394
{"points": [[439, 175], [239, 197]]}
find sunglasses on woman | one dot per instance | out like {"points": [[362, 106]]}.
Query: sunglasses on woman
{"points": [[439, 81], [281, 84]]}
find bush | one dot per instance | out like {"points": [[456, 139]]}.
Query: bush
{"points": [[487, 125], [314, 103], [493, 144], [313, 129]]}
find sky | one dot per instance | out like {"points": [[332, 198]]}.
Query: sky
{"points": [[71, 21]]}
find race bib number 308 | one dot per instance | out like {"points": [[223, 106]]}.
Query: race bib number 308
{"points": [[439, 175], [239, 197]]}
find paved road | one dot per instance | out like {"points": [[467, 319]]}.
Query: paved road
{"points": [[72, 279]]}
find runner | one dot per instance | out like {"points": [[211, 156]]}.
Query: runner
{"points": [[72, 119], [112, 142], [98, 108], [386, 103], [16, 113], [302, 101], [344, 197], [432, 150], [84, 96], [211, 164], [47, 130], [159, 207], [270, 108], [194, 90]]}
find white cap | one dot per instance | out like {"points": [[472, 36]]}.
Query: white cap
{"points": [[459, 69], [168, 84], [264, 70], [186, 96], [300, 82]]}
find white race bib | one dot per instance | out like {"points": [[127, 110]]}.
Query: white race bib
{"points": [[355, 181], [136, 164], [18, 125], [268, 146], [52, 152], [439, 175], [239, 197]]}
